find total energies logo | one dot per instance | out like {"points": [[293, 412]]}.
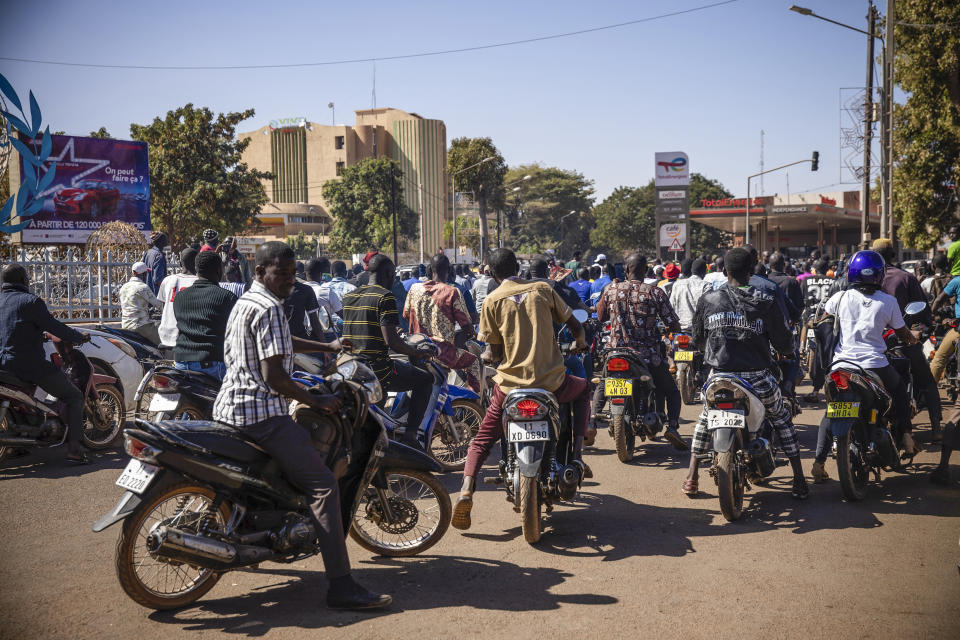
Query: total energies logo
{"points": [[672, 169], [678, 164]]}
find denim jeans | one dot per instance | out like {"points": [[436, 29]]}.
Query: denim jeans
{"points": [[215, 369]]}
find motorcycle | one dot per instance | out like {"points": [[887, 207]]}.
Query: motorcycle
{"points": [[538, 469], [743, 440], [201, 499], [689, 363], [858, 408], [453, 421], [167, 393], [628, 386], [28, 421]]}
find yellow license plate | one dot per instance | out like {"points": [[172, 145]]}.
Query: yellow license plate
{"points": [[843, 409], [618, 387], [683, 356]]}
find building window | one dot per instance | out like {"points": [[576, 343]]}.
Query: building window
{"points": [[338, 142], [340, 167], [288, 153], [306, 220]]}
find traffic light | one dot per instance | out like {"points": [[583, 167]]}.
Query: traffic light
{"points": [[815, 163]]}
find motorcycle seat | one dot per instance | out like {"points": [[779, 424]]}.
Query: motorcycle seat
{"points": [[126, 334], [219, 438], [199, 377], [9, 379]]}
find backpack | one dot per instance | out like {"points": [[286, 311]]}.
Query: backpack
{"points": [[827, 331]]}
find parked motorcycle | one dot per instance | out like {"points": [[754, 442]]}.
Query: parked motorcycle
{"points": [[689, 363], [201, 499], [167, 393], [28, 421], [858, 417]]}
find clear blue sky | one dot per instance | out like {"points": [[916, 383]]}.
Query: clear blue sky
{"points": [[600, 103]]}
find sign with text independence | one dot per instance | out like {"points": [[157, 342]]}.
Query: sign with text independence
{"points": [[97, 181]]}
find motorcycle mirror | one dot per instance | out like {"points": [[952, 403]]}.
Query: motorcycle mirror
{"points": [[580, 315], [914, 308]]}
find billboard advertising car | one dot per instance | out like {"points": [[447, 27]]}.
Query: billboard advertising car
{"points": [[97, 181]]}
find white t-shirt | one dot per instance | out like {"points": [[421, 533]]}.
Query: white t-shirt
{"points": [[717, 277], [863, 319], [168, 290]]}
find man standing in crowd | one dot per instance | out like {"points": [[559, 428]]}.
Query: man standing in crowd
{"points": [[575, 264], [953, 251], [318, 274], [338, 285], [604, 279], [202, 310], [156, 261], [484, 286], [211, 240], [582, 285], [302, 312], [686, 292], [136, 301], [254, 398], [168, 291], [670, 274]]}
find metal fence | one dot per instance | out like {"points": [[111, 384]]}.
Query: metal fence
{"points": [[77, 284]]}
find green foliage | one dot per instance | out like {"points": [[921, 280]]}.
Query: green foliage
{"points": [[303, 245], [100, 133], [704, 239], [197, 178], [485, 180], [468, 233], [926, 140], [361, 205], [533, 213]]}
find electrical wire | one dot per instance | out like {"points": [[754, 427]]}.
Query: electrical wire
{"points": [[371, 59]]}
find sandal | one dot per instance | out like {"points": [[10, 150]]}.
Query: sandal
{"points": [[801, 491], [461, 513], [690, 488]]}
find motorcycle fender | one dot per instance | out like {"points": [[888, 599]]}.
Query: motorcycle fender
{"points": [[400, 456], [723, 439], [618, 409], [101, 379], [128, 503], [840, 427], [529, 457], [457, 393]]}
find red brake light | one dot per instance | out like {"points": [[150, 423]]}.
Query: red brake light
{"points": [[840, 378], [683, 341], [617, 364], [618, 401], [134, 447], [528, 408], [162, 383], [724, 405]]}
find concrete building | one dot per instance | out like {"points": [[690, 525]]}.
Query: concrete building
{"points": [[303, 155]]}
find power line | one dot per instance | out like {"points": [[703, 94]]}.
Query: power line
{"points": [[372, 59]]}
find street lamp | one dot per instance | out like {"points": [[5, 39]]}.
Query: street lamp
{"points": [[453, 196], [333, 119]]}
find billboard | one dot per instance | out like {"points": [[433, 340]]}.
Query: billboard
{"points": [[97, 181], [671, 169]]}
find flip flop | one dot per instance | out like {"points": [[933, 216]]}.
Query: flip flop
{"points": [[461, 513]]}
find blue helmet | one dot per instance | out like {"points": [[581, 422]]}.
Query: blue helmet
{"points": [[866, 267]]}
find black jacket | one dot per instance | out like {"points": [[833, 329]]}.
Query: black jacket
{"points": [[735, 326], [23, 319], [791, 292], [202, 310]]}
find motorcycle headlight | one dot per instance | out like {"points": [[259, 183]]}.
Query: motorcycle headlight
{"points": [[348, 369], [374, 390]]}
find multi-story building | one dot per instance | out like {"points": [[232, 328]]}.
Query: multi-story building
{"points": [[303, 155]]}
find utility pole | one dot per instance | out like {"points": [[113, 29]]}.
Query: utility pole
{"points": [[887, 130], [868, 124]]}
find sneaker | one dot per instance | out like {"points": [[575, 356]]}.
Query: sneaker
{"points": [[819, 473], [347, 594], [673, 436], [800, 489]]}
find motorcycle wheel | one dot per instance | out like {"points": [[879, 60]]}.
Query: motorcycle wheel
{"points": [[851, 471], [161, 585], [111, 404], [185, 412], [422, 506], [623, 440], [467, 416], [529, 495], [4, 427], [687, 388], [729, 482]]}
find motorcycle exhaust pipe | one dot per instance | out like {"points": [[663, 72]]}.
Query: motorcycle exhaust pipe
{"points": [[178, 545], [570, 476], [13, 441]]}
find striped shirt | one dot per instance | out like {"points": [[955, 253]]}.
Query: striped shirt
{"points": [[364, 312], [256, 330]]}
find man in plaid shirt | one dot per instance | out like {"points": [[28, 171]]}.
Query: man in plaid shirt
{"points": [[734, 326]]}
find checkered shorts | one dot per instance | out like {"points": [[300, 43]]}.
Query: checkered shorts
{"points": [[766, 388]]}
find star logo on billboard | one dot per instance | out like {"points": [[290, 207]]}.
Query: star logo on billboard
{"points": [[97, 165]]}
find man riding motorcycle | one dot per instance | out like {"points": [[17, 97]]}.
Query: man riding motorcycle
{"points": [[259, 354], [633, 309], [815, 290], [23, 319], [734, 327], [517, 325]]}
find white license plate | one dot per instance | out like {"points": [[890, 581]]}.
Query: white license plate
{"points": [[720, 419], [528, 431], [136, 476], [161, 402]]}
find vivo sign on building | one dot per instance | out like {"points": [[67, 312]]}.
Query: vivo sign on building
{"points": [[672, 169]]}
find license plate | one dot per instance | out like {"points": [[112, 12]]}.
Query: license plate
{"points": [[720, 419], [618, 387], [161, 402], [683, 356], [528, 431], [843, 409], [136, 476]]}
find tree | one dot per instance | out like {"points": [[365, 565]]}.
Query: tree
{"points": [[304, 246], [100, 133], [361, 204], [534, 221], [485, 180], [926, 141], [197, 178], [704, 239]]}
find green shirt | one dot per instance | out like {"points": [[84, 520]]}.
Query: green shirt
{"points": [[953, 257]]}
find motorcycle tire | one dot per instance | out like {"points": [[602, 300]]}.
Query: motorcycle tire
{"points": [[452, 457], [184, 412], [730, 486], [111, 403], [5, 426], [132, 540], [851, 472], [623, 437], [404, 547], [688, 390], [529, 495]]}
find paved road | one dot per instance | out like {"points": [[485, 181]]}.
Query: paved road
{"points": [[632, 556]]}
